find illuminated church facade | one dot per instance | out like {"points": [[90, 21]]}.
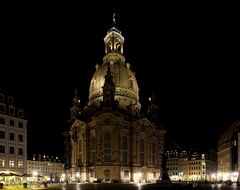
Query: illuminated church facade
{"points": [[109, 140]]}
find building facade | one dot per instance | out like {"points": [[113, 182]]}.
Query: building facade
{"points": [[109, 140], [13, 135], [185, 165], [46, 168], [202, 166], [229, 153]]}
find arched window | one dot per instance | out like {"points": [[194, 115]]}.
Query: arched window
{"points": [[80, 151], [124, 143], [118, 47], [109, 46], [94, 150], [142, 151], [107, 147], [126, 173], [2, 107], [124, 149], [11, 110], [153, 153], [20, 113], [107, 121]]}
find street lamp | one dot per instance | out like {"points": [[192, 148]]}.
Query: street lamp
{"points": [[77, 175]]}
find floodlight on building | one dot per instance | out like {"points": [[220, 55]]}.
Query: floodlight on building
{"points": [[77, 174], [234, 176], [35, 173]]}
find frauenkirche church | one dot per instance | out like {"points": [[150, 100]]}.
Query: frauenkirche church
{"points": [[109, 140]]}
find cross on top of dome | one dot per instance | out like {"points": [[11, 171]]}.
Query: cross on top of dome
{"points": [[114, 25]]}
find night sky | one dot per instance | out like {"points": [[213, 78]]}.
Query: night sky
{"points": [[187, 54]]}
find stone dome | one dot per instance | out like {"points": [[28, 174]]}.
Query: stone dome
{"points": [[126, 87]]}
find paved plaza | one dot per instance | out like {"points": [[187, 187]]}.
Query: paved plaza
{"points": [[116, 186]]}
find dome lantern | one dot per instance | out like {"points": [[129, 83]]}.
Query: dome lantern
{"points": [[114, 39]]}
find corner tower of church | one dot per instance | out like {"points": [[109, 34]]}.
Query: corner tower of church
{"points": [[126, 87]]}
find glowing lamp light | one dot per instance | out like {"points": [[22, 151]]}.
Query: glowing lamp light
{"points": [[77, 174], [234, 176], [35, 173], [139, 174]]}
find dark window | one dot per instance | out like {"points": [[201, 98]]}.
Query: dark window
{"points": [[126, 173], [80, 153], [153, 153], [94, 149], [142, 152], [11, 150], [153, 159], [124, 157], [20, 125], [141, 145], [108, 102], [2, 108], [142, 158], [10, 100], [1, 98], [2, 135], [11, 111], [107, 121], [107, 147], [20, 151], [2, 121], [2, 149], [20, 113], [94, 143], [124, 143], [20, 138], [94, 156], [124, 149], [11, 122], [153, 148], [11, 136], [79, 161]]}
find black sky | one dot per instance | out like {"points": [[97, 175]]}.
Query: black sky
{"points": [[187, 54]]}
